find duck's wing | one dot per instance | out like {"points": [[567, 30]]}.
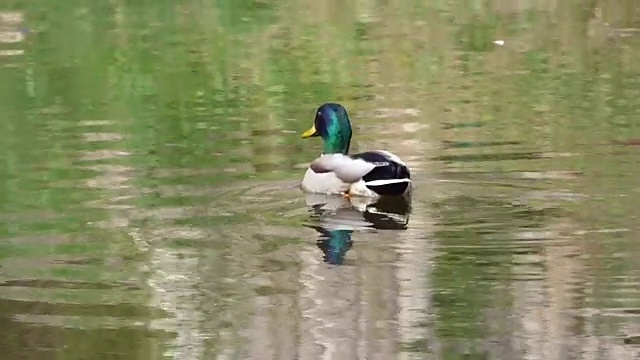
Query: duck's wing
{"points": [[390, 176], [347, 168], [381, 171]]}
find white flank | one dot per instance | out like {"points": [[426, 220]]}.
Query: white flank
{"points": [[326, 183], [346, 168]]}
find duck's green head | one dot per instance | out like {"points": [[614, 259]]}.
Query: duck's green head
{"points": [[333, 126]]}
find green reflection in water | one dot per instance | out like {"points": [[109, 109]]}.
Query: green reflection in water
{"points": [[150, 155]]}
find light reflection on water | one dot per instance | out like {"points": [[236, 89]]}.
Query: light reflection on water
{"points": [[151, 207]]}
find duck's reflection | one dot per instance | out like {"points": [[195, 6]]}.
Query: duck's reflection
{"points": [[336, 218]]}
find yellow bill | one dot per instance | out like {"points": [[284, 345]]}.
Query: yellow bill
{"points": [[309, 133]]}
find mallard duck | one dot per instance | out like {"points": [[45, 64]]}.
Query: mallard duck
{"points": [[370, 174]]}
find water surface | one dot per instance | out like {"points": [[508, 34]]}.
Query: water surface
{"points": [[151, 156]]}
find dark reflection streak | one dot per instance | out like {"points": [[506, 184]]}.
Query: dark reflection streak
{"points": [[447, 144], [495, 183], [492, 157], [492, 184], [59, 284], [475, 124], [335, 219], [130, 311]]}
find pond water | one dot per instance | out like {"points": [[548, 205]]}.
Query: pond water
{"points": [[150, 159]]}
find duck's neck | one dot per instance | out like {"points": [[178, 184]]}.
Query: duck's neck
{"points": [[336, 145]]}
